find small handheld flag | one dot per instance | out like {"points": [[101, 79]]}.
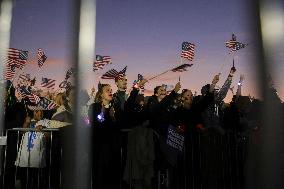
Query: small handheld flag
{"points": [[234, 45], [187, 50], [113, 74], [101, 61], [41, 58]]}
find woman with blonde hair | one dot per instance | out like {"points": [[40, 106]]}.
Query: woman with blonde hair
{"points": [[106, 143]]}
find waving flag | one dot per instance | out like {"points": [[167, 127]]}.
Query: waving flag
{"points": [[113, 74], [10, 71], [187, 50], [65, 84], [24, 79], [26, 93], [41, 58], [48, 83], [234, 45], [69, 73], [101, 61], [181, 68], [47, 104], [18, 57], [44, 104], [140, 78]]}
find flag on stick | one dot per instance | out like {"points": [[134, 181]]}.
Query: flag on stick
{"points": [[113, 74], [234, 45], [48, 83], [181, 68], [101, 61], [41, 58], [187, 50]]}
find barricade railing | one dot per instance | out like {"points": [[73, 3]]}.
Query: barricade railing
{"points": [[25, 157], [207, 159]]}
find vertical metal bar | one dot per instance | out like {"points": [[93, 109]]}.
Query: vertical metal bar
{"points": [[50, 161], [5, 26], [60, 173], [121, 169], [5, 156], [268, 24], [16, 171], [192, 161], [184, 169], [77, 139]]}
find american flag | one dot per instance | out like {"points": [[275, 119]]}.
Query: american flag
{"points": [[18, 57], [44, 104], [181, 68], [65, 84], [234, 45], [113, 74], [24, 78], [48, 83], [25, 93], [10, 71], [187, 50], [140, 78], [69, 73], [41, 58], [101, 61], [47, 104]]}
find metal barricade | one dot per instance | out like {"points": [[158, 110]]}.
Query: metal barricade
{"points": [[19, 162]]}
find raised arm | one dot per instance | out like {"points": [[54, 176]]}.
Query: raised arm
{"points": [[225, 88], [239, 90]]}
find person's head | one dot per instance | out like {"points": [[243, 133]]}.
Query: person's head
{"points": [[37, 115], [187, 98], [70, 94], [104, 94], [205, 89], [121, 83], [60, 99], [178, 100], [160, 92]]}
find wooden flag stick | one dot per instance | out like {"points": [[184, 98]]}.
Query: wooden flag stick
{"points": [[180, 73], [159, 75]]}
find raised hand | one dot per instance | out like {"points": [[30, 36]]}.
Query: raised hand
{"points": [[216, 79], [142, 83], [177, 87]]}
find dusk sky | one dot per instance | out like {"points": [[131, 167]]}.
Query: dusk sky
{"points": [[146, 36]]}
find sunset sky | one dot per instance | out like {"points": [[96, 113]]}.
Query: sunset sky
{"points": [[146, 36]]}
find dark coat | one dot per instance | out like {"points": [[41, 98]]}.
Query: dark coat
{"points": [[136, 114], [160, 112]]}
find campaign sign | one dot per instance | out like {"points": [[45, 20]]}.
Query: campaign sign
{"points": [[175, 139]]}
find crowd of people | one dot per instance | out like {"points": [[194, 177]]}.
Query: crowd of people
{"points": [[170, 139]]}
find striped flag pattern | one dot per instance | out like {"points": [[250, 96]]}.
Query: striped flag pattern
{"points": [[181, 68], [15, 59], [47, 104], [101, 61], [18, 57], [23, 79], [69, 73], [10, 71], [47, 83], [44, 104], [187, 50], [41, 58], [113, 74], [25, 93], [234, 45]]}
